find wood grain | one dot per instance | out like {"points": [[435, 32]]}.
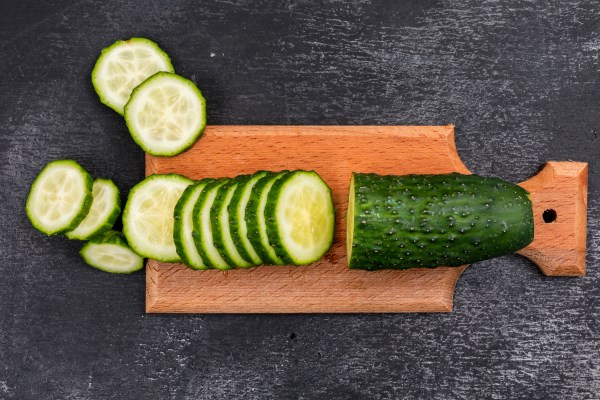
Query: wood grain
{"points": [[328, 286]]}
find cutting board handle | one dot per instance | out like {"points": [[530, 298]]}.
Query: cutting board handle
{"points": [[559, 196]]}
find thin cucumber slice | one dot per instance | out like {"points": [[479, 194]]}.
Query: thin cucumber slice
{"points": [[110, 253], [221, 232], [203, 231], [124, 65], [106, 207], [237, 213], [184, 225], [60, 197], [166, 114], [300, 217], [255, 218], [148, 216]]}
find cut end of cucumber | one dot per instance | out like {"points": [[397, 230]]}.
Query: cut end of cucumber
{"points": [[110, 253], [166, 114], [124, 65], [350, 220]]}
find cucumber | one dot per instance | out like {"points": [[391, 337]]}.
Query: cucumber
{"points": [[60, 197], [110, 253], [124, 65], [220, 223], [184, 225], [400, 222], [165, 114], [148, 216], [255, 218], [237, 213], [105, 208], [203, 230], [300, 217]]}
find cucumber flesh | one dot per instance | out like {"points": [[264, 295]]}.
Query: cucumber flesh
{"points": [[203, 231], [148, 216], [255, 218], [220, 223], [110, 253], [166, 114], [237, 211], [300, 217], [105, 208], [402, 222], [184, 226], [124, 65], [60, 197]]}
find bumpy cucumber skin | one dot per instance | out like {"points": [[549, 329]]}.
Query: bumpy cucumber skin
{"points": [[235, 227], [178, 225], [109, 220], [110, 237], [199, 237], [402, 222], [218, 234], [106, 50], [272, 225], [85, 206], [140, 141]]}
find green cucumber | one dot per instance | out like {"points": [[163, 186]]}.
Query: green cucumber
{"points": [[300, 217], [401, 222], [184, 226], [220, 223], [237, 212], [110, 253], [203, 230], [60, 197], [255, 218]]}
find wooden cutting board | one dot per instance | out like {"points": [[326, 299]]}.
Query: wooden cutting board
{"points": [[328, 286]]}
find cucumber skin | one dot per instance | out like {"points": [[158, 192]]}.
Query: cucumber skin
{"points": [[218, 240], [109, 237], [403, 222]]}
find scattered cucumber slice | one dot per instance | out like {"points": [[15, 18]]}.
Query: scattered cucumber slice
{"points": [[60, 197], [237, 212], [203, 231], [184, 225], [148, 216], [255, 218], [220, 224], [110, 253], [124, 65], [300, 217], [106, 207], [166, 114]]}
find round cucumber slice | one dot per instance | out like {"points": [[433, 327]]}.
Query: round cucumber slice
{"points": [[106, 207], [184, 226], [110, 253], [124, 65], [300, 217], [148, 216], [60, 197], [166, 114]]}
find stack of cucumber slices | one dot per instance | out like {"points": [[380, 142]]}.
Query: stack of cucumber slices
{"points": [[283, 218]]}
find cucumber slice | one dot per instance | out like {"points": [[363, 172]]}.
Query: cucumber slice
{"points": [[300, 217], [166, 114], [219, 220], [203, 231], [124, 65], [148, 216], [237, 213], [184, 225], [106, 207], [60, 197], [255, 218], [110, 253]]}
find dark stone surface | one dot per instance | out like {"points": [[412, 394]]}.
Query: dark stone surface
{"points": [[519, 79]]}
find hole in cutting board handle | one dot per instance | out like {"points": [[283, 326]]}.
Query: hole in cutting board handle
{"points": [[549, 215]]}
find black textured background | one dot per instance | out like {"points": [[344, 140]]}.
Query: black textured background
{"points": [[520, 79]]}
